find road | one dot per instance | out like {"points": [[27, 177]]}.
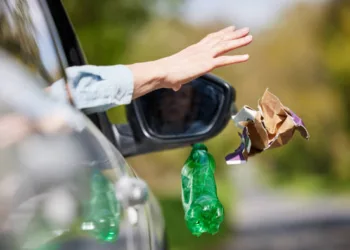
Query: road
{"points": [[270, 219]]}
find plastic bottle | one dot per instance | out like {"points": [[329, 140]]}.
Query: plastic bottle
{"points": [[204, 212]]}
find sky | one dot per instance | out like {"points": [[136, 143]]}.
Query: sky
{"points": [[255, 14]]}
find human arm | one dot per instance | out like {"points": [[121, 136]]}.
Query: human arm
{"points": [[98, 88]]}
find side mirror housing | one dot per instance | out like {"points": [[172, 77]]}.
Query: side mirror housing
{"points": [[165, 119]]}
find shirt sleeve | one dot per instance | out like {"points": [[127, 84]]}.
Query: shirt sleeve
{"points": [[99, 88]]}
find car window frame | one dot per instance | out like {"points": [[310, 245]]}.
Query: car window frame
{"points": [[72, 54]]}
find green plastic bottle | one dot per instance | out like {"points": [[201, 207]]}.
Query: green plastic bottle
{"points": [[204, 212], [103, 215]]}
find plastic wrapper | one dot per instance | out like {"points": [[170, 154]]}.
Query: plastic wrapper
{"points": [[272, 125]]}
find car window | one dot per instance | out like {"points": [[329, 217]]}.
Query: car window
{"points": [[25, 33]]}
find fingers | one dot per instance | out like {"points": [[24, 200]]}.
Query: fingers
{"points": [[237, 34], [217, 35], [228, 60], [227, 46], [226, 30], [229, 33]]}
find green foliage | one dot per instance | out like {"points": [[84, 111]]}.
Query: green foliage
{"points": [[337, 49], [106, 27]]}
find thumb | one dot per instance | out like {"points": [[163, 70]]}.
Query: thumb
{"points": [[177, 88]]}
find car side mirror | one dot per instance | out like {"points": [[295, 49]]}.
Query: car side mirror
{"points": [[165, 119]]}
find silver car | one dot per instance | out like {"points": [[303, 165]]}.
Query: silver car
{"points": [[50, 151]]}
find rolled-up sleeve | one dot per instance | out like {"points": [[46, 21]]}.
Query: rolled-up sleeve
{"points": [[99, 88]]}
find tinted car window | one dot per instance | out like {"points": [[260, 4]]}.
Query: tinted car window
{"points": [[25, 33]]}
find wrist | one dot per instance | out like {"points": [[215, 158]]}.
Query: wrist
{"points": [[148, 76], [158, 73]]}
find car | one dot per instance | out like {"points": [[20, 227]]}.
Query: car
{"points": [[51, 152]]}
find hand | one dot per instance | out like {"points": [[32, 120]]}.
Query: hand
{"points": [[190, 63], [204, 56]]}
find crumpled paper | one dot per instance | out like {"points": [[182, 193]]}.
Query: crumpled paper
{"points": [[271, 126]]}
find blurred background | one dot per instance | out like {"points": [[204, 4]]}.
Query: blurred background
{"points": [[300, 53]]}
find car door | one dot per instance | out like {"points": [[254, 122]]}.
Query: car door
{"points": [[33, 39]]}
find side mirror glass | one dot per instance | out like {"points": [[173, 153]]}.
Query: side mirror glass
{"points": [[166, 119], [191, 111]]}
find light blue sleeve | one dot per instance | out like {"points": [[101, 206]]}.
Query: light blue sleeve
{"points": [[97, 88]]}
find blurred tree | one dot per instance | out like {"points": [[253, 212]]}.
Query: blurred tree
{"points": [[106, 27], [337, 49]]}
